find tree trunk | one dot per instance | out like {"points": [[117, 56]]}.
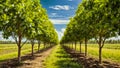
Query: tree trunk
{"points": [[100, 48], [80, 47], [100, 54], [19, 54], [32, 43], [69, 45], [50, 45], [19, 49], [44, 44], [85, 47], [72, 45], [75, 45], [32, 49], [38, 46]]}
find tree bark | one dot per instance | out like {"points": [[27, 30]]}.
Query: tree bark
{"points": [[38, 46], [72, 45], [19, 54], [19, 49], [75, 45], [32, 43], [80, 47], [100, 54], [101, 44], [50, 45], [85, 47], [44, 44]]}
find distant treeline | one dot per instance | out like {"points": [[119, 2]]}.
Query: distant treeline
{"points": [[7, 42], [107, 41], [12, 42]]}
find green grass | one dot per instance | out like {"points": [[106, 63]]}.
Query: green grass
{"points": [[110, 52], [60, 59], [9, 51], [108, 46]]}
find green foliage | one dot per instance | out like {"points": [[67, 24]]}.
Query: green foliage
{"points": [[26, 19], [98, 19]]}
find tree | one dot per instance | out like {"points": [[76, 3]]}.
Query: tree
{"points": [[17, 20]]}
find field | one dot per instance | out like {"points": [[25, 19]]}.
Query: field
{"points": [[110, 52], [9, 51], [60, 59]]}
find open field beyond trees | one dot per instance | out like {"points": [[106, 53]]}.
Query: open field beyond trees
{"points": [[110, 52], [9, 51]]}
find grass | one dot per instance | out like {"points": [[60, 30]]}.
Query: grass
{"points": [[110, 52], [9, 51], [107, 46], [60, 59]]}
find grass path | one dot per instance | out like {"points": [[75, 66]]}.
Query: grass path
{"points": [[60, 59]]}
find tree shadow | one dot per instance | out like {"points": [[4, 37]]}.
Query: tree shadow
{"points": [[65, 60], [12, 63]]}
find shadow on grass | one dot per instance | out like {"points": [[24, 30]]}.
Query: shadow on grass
{"points": [[64, 60], [67, 64], [12, 63]]}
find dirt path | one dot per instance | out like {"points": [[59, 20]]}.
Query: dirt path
{"points": [[90, 62], [38, 61]]}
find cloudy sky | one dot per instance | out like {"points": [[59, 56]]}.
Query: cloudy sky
{"points": [[59, 12]]}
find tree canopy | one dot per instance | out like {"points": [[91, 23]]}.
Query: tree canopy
{"points": [[98, 19], [26, 19]]}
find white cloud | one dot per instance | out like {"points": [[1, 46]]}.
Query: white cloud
{"points": [[59, 21], [70, 0], [61, 33], [61, 7], [54, 14], [62, 30]]}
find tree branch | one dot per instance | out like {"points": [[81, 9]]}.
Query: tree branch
{"points": [[23, 43], [103, 42], [15, 38], [97, 40]]}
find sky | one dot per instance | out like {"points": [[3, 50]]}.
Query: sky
{"points": [[59, 12]]}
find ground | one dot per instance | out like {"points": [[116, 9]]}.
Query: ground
{"points": [[38, 61]]}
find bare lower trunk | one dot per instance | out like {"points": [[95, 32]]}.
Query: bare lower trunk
{"points": [[101, 42], [32, 50], [38, 46], [80, 47], [100, 54], [69, 45], [44, 44], [50, 45], [32, 43], [19, 49], [85, 47], [75, 45], [19, 54], [72, 45]]}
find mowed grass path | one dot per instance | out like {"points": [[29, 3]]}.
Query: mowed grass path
{"points": [[9, 51], [110, 52], [60, 59]]}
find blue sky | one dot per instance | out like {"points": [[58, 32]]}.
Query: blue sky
{"points": [[59, 12]]}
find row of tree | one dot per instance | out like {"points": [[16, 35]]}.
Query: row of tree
{"points": [[26, 20], [98, 19]]}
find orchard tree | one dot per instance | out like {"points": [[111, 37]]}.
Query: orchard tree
{"points": [[17, 20]]}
